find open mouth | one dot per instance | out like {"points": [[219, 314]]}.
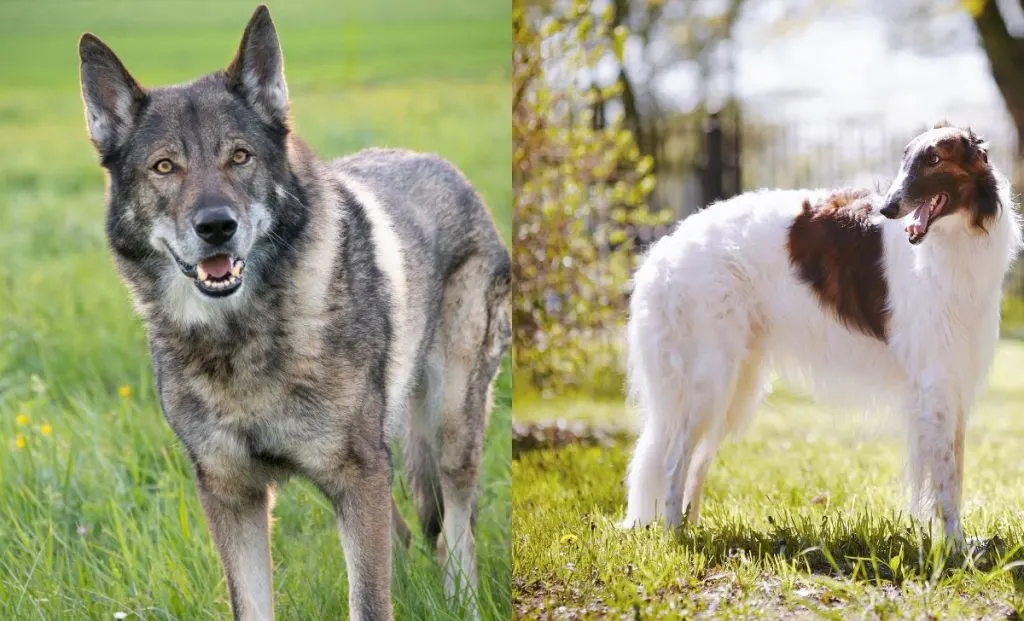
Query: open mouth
{"points": [[217, 276], [922, 217]]}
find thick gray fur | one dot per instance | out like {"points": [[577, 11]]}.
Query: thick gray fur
{"points": [[373, 306]]}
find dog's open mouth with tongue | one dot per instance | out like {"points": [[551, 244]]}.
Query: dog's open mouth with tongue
{"points": [[217, 276], [923, 215]]}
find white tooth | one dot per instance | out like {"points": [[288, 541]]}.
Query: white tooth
{"points": [[236, 270], [201, 273]]}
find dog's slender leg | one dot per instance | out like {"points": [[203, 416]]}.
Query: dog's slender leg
{"points": [[420, 444], [949, 478], [399, 528], [458, 546], [474, 337], [936, 451], [704, 414], [239, 522], [361, 494], [745, 398], [462, 435], [696, 476], [677, 465]]}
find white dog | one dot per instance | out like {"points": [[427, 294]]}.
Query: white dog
{"points": [[826, 285]]}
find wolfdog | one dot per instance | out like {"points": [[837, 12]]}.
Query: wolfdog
{"points": [[301, 314]]}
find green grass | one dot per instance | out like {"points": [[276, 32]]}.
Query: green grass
{"points": [[803, 518], [101, 514]]}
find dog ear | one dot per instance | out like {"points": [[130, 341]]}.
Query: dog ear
{"points": [[257, 71], [987, 203], [979, 145], [974, 146], [112, 97]]}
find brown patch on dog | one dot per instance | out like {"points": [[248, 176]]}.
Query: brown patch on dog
{"points": [[837, 251]]}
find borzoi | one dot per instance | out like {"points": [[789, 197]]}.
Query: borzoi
{"points": [[839, 288]]}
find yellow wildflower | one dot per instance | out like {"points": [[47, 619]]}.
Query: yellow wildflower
{"points": [[21, 420], [46, 429], [19, 441], [125, 391]]}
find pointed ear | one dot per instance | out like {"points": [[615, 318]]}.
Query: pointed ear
{"points": [[257, 72], [112, 97]]}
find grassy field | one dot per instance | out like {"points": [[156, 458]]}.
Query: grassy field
{"points": [[802, 518], [98, 511]]}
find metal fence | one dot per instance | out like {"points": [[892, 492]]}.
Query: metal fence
{"points": [[719, 156]]}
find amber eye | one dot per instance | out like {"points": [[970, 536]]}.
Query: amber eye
{"points": [[240, 157], [164, 167], [933, 159]]}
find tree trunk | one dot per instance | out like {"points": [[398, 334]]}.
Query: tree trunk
{"points": [[631, 111], [1006, 56]]}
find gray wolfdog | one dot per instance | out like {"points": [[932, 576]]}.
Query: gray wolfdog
{"points": [[300, 314]]}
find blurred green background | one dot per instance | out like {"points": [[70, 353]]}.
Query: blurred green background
{"points": [[98, 512]]}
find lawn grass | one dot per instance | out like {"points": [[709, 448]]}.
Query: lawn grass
{"points": [[802, 518], [99, 513]]}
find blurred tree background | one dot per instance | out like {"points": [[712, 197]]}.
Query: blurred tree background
{"points": [[713, 98], [580, 185]]}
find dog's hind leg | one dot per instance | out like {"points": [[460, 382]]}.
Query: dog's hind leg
{"points": [[745, 399], [697, 474], [684, 368], [702, 417], [474, 335], [677, 419], [398, 526], [421, 445]]}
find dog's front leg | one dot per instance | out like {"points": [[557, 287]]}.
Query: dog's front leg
{"points": [[239, 522], [361, 493], [937, 429]]}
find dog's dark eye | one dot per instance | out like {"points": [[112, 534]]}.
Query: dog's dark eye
{"points": [[933, 159], [163, 167], [240, 157]]}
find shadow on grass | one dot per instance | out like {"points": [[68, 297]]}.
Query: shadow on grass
{"points": [[577, 491], [873, 549]]}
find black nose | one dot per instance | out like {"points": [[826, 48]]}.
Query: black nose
{"points": [[889, 210], [215, 225]]}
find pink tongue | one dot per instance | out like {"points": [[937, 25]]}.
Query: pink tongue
{"points": [[218, 266], [919, 220]]}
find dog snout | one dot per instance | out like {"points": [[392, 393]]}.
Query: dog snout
{"points": [[891, 209], [215, 225]]}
